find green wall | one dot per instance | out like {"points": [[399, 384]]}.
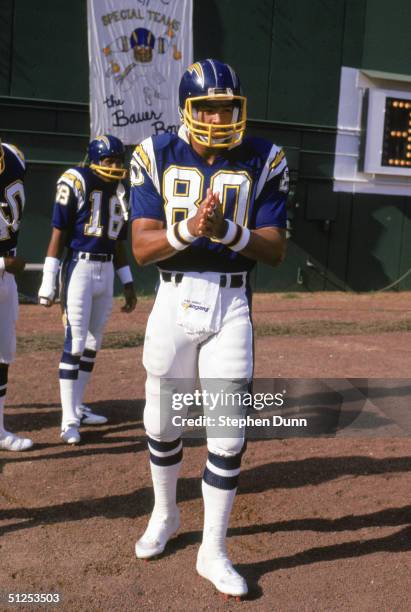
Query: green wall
{"points": [[289, 55]]}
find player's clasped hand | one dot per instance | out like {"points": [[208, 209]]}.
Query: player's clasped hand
{"points": [[209, 219]]}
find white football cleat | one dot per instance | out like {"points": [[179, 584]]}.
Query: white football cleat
{"points": [[156, 536], [88, 417], [70, 435], [221, 573], [9, 441]]}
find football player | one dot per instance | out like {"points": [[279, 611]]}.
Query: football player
{"points": [[12, 198], [89, 219], [206, 205]]}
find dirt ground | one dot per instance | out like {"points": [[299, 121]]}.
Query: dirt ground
{"points": [[319, 523]]}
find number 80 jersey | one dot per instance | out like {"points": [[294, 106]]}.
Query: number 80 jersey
{"points": [[89, 210], [169, 180]]}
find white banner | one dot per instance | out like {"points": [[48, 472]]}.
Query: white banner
{"points": [[138, 51]]}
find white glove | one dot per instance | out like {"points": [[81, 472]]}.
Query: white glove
{"points": [[47, 290]]}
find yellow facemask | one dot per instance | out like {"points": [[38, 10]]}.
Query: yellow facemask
{"points": [[212, 135], [113, 174]]}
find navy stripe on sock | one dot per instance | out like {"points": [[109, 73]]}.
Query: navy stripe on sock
{"points": [[86, 366], [4, 371], [70, 358], [68, 374], [225, 463], [89, 353], [163, 447], [227, 483], [170, 460]]}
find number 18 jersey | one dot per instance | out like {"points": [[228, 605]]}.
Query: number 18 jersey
{"points": [[169, 180], [89, 210]]}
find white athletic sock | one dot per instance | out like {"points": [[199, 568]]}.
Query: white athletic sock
{"points": [[81, 383], [68, 403], [4, 369], [165, 489], [165, 463], [217, 509], [86, 366], [68, 374]]}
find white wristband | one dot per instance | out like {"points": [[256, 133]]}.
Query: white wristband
{"points": [[184, 231], [125, 275], [2, 264], [51, 264], [176, 242], [236, 237], [231, 232], [243, 241]]}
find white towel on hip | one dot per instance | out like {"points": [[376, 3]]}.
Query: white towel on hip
{"points": [[199, 303]]}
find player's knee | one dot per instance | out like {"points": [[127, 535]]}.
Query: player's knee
{"points": [[94, 342], [73, 346], [226, 447], [159, 424]]}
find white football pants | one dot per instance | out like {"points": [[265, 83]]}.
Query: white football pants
{"points": [[88, 300], [9, 305], [169, 353]]}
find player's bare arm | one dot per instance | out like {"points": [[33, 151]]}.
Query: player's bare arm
{"points": [[14, 265], [57, 242], [121, 261], [149, 241]]}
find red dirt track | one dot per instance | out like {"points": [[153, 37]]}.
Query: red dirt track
{"points": [[319, 524]]}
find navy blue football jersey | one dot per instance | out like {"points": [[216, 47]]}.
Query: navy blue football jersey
{"points": [[12, 197], [89, 209], [169, 179]]}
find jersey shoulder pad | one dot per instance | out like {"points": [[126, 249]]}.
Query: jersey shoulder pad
{"points": [[161, 141], [144, 158], [15, 151], [258, 146], [277, 161], [142, 154], [270, 153], [75, 179], [274, 165]]}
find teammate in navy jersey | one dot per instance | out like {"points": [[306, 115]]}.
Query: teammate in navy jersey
{"points": [[206, 205], [89, 219], [12, 198]]}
